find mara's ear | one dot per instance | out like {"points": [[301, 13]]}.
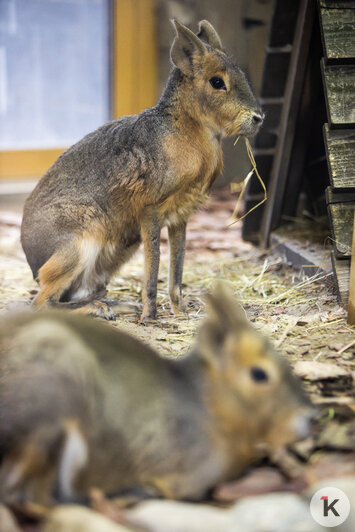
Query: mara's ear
{"points": [[223, 307], [224, 315], [186, 48], [207, 33]]}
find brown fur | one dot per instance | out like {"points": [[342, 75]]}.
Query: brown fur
{"points": [[120, 184], [56, 275], [83, 405]]}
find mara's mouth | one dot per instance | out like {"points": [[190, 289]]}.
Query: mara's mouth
{"points": [[243, 128]]}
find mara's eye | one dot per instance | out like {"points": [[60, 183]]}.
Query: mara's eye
{"points": [[218, 83], [258, 374]]}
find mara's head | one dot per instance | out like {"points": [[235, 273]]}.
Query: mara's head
{"points": [[215, 88], [249, 384]]}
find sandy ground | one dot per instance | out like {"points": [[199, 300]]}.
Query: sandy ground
{"points": [[300, 314]]}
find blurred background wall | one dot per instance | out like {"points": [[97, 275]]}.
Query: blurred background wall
{"points": [[67, 66]]}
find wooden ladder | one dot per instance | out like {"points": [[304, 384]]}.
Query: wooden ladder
{"points": [[312, 83]]}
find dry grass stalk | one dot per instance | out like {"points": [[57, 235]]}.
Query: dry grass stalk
{"points": [[242, 186]]}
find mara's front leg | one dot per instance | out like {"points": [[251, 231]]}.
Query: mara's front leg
{"points": [[177, 241], [150, 230]]}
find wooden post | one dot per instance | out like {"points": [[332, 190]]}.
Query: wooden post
{"points": [[351, 308], [134, 56]]}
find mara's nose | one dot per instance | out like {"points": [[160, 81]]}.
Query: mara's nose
{"points": [[257, 119]]}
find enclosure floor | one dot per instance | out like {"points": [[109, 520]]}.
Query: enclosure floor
{"points": [[299, 313], [302, 314]]}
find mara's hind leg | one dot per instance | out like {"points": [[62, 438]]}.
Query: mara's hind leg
{"points": [[57, 274], [63, 270], [103, 263], [45, 463], [76, 274]]}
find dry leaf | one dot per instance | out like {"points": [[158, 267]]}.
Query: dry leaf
{"points": [[304, 448], [327, 465], [113, 508], [338, 436], [257, 482], [314, 371], [287, 462]]}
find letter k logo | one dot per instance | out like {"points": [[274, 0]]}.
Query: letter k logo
{"points": [[327, 507], [330, 507]]}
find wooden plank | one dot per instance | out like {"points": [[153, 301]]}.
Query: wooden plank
{"points": [[335, 196], [341, 216], [341, 269], [147, 53], [340, 148], [337, 29], [125, 67], [26, 163], [339, 84], [293, 94], [351, 307], [312, 258], [337, 4], [134, 56]]}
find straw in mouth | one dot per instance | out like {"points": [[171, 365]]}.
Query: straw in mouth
{"points": [[236, 187]]}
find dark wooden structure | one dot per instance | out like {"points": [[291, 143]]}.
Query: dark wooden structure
{"points": [[272, 99], [338, 72], [306, 149], [337, 20]]}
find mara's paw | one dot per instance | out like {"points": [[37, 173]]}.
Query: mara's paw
{"points": [[103, 310], [176, 303], [148, 316], [98, 309], [122, 307]]}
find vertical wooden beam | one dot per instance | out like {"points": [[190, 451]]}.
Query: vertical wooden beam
{"points": [[147, 55], [123, 57], [351, 307], [134, 56]]}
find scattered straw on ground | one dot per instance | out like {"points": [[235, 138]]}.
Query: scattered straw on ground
{"points": [[300, 313]]}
